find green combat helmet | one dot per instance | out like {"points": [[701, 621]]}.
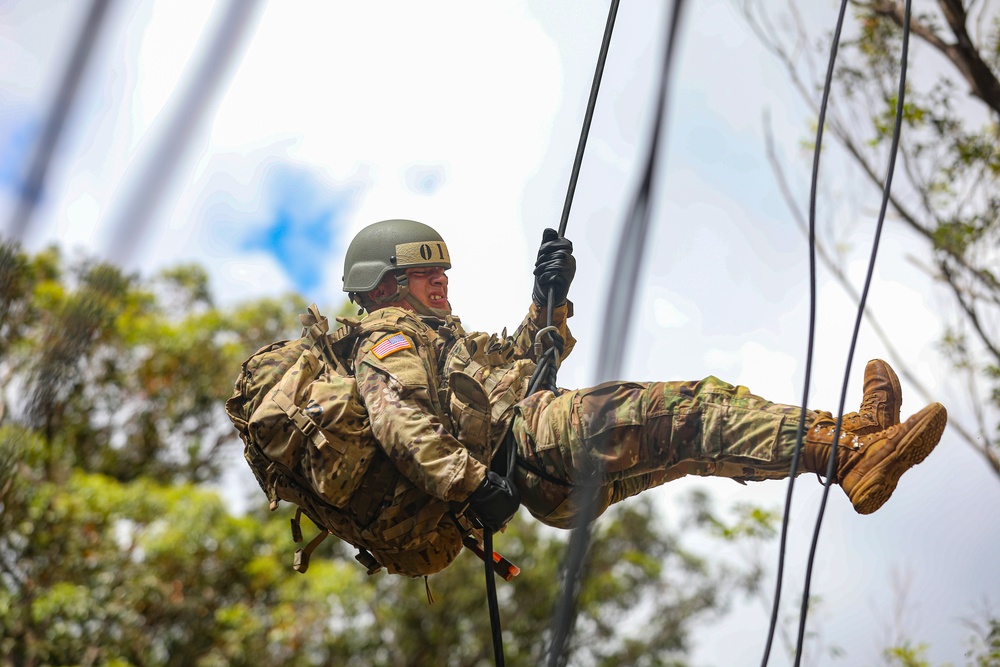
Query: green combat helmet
{"points": [[392, 245]]}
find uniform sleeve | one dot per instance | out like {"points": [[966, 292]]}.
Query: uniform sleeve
{"points": [[396, 389], [535, 321]]}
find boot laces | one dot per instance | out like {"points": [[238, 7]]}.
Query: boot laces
{"points": [[855, 443], [869, 406]]}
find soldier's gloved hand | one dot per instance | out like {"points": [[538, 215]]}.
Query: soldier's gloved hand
{"points": [[555, 268], [495, 502]]}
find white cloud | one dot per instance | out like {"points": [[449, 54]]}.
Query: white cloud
{"points": [[666, 314]]}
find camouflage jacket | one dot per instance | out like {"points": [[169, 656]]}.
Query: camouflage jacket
{"points": [[440, 401]]}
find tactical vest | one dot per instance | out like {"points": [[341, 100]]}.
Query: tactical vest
{"points": [[476, 380], [486, 380]]}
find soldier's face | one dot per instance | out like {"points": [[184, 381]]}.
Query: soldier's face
{"points": [[430, 287]]}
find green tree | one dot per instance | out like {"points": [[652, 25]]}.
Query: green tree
{"points": [[126, 378], [983, 651], [114, 549], [947, 179], [985, 645]]}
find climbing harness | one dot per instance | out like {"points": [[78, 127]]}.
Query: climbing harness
{"points": [[831, 466]]}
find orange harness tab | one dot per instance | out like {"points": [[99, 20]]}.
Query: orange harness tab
{"points": [[503, 567]]}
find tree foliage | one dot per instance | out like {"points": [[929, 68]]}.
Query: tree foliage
{"points": [[116, 550], [121, 377], [947, 182]]}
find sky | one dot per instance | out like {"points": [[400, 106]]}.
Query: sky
{"points": [[332, 115]]}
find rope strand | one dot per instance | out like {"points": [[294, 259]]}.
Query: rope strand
{"points": [[810, 345], [617, 311], [831, 465]]}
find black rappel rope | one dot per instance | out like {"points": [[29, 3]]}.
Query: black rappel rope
{"points": [[544, 375], [831, 464], [618, 310], [491, 598], [812, 332]]}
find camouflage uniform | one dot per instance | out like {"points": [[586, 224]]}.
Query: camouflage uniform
{"points": [[620, 438], [441, 406]]}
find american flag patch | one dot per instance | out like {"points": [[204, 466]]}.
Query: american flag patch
{"points": [[393, 343]]}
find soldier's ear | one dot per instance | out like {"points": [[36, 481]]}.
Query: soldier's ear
{"points": [[381, 290]]}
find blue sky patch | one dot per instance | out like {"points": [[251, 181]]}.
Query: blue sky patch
{"points": [[305, 219], [16, 142], [425, 179]]}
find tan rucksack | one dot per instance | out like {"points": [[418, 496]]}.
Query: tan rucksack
{"points": [[308, 441]]}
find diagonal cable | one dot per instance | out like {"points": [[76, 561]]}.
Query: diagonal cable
{"points": [[618, 310], [41, 159], [588, 117], [146, 190], [794, 466], [628, 260], [831, 467]]}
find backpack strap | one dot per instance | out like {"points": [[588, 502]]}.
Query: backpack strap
{"points": [[316, 327], [366, 559], [300, 563]]}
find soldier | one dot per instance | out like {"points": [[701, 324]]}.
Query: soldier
{"points": [[448, 407]]}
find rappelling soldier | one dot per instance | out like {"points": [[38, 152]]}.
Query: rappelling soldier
{"points": [[452, 416]]}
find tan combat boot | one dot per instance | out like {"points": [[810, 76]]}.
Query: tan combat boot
{"points": [[880, 403], [869, 465]]}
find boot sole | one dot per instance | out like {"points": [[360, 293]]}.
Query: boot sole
{"points": [[875, 488]]}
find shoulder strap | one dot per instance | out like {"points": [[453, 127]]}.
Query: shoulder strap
{"points": [[399, 320]]}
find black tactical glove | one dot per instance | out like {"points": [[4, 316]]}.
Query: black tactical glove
{"points": [[554, 268], [495, 502]]}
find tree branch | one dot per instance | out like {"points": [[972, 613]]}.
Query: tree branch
{"points": [[962, 53], [969, 310], [985, 447]]}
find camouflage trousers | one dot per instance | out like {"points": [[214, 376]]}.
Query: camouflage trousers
{"points": [[620, 438]]}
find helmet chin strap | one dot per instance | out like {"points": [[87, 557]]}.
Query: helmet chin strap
{"points": [[403, 294], [424, 310]]}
